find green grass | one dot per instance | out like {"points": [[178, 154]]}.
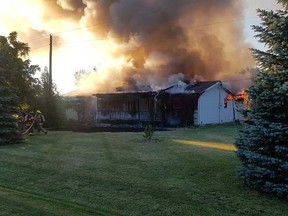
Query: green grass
{"points": [[180, 172]]}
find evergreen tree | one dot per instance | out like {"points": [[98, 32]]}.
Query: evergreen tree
{"points": [[8, 122], [8, 106], [284, 3], [262, 145], [17, 68]]}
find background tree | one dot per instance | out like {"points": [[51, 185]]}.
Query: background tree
{"points": [[17, 69], [50, 103], [262, 145], [11, 65], [284, 3]]}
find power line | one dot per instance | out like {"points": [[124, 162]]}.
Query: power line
{"points": [[38, 38], [191, 27], [117, 18], [98, 24], [39, 47], [139, 14], [222, 22]]}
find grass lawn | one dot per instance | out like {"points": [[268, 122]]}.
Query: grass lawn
{"points": [[181, 172]]}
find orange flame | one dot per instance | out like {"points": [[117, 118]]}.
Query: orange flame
{"points": [[229, 97], [242, 95], [243, 98]]}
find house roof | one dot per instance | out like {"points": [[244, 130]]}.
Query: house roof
{"points": [[130, 95], [180, 88], [190, 88], [200, 87]]}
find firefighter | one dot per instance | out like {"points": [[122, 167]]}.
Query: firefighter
{"points": [[39, 120], [29, 123], [21, 121]]}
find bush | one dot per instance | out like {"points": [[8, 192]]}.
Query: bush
{"points": [[148, 132]]}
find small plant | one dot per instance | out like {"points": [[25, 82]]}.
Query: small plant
{"points": [[148, 132]]}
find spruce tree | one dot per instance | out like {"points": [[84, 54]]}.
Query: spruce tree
{"points": [[8, 108], [10, 64], [262, 145]]}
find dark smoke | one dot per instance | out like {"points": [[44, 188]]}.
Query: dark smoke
{"points": [[73, 5], [196, 38]]}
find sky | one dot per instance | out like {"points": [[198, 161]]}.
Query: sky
{"points": [[136, 43]]}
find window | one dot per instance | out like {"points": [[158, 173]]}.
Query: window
{"points": [[225, 103]]}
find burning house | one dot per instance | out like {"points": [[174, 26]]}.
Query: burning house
{"points": [[198, 103], [125, 107], [182, 104], [176, 40]]}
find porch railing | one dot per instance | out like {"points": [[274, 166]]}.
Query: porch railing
{"points": [[122, 115]]}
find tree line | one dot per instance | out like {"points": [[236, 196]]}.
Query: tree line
{"points": [[21, 91]]}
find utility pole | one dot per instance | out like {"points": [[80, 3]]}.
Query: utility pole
{"points": [[50, 106], [50, 65]]}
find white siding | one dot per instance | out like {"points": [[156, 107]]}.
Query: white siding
{"points": [[211, 107]]}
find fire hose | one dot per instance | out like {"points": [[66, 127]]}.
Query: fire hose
{"points": [[28, 128]]}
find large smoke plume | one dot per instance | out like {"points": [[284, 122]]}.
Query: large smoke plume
{"points": [[160, 41]]}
